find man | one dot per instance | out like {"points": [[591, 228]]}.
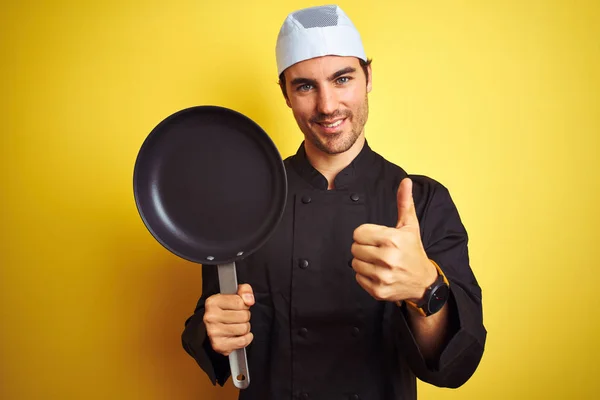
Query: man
{"points": [[366, 282]]}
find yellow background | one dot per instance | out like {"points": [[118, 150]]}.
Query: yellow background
{"points": [[498, 100]]}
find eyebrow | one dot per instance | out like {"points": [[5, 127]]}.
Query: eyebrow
{"points": [[344, 71], [335, 75]]}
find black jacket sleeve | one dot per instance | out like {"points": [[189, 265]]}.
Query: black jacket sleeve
{"points": [[194, 338], [446, 242]]}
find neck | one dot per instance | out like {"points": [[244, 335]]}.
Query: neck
{"points": [[329, 165]]}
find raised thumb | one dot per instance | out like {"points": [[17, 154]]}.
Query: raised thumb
{"points": [[407, 215]]}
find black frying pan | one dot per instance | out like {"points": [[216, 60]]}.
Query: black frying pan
{"points": [[211, 187]]}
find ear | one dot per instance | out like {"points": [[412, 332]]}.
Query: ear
{"points": [[284, 90], [369, 79]]}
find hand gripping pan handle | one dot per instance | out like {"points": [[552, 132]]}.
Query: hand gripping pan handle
{"points": [[238, 362]]}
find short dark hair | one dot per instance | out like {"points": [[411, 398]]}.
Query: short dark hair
{"points": [[364, 64]]}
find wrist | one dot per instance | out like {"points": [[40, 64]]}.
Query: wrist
{"points": [[435, 296], [429, 279]]}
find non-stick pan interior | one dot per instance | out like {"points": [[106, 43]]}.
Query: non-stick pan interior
{"points": [[210, 184]]}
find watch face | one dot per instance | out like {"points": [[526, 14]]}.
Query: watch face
{"points": [[438, 298]]}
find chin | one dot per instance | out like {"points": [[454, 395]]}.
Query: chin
{"points": [[335, 143]]}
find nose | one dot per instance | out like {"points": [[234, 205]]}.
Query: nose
{"points": [[327, 102]]}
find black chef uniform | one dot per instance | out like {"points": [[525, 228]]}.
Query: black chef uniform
{"points": [[317, 334]]}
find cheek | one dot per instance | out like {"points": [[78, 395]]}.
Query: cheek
{"points": [[356, 104], [302, 109], [300, 117], [353, 98]]}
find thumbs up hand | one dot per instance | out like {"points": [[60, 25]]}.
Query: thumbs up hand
{"points": [[391, 263]]}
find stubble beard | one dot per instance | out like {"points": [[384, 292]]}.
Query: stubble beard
{"points": [[341, 142]]}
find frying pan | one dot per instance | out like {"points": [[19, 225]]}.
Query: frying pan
{"points": [[210, 186]]}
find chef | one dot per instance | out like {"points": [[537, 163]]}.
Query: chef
{"points": [[366, 284]]}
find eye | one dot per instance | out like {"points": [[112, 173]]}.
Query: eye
{"points": [[304, 88], [343, 79]]}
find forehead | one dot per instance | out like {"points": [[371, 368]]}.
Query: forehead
{"points": [[320, 67]]}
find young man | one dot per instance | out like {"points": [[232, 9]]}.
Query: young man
{"points": [[366, 283]]}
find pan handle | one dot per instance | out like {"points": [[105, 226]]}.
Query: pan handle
{"points": [[238, 362]]}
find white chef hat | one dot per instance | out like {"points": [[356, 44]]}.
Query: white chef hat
{"points": [[315, 32]]}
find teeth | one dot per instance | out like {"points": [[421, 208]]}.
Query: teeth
{"points": [[336, 123]]}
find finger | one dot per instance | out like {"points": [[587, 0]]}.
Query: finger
{"points": [[407, 214], [235, 316], [375, 235], [225, 302], [382, 256], [246, 292], [364, 253], [233, 330], [377, 290], [242, 341], [216, 331], [227, 345], [227, 316], [365, 269], [367, 284]]}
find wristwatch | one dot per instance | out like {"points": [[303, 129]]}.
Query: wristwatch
{"points": [[435, 296]]}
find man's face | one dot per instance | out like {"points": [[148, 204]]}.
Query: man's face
{"points": [[328, 96]]}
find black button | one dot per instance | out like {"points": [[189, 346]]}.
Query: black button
{"points": [[303, 332], [303, 263], [355, 331], [355, 397], [306, 199], [354, 197], [304, 396]]}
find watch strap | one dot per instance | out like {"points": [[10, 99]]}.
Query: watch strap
{"points": [[414, 305]]}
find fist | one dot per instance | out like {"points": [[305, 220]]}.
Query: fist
{"points": [[391, 263], [227, 320]]}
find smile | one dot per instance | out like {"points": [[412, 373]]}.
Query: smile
{"points": [[333, 124]]}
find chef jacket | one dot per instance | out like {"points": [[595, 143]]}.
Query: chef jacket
{"points": [[318, 334]]}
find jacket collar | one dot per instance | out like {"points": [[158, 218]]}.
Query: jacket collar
{"points": [[359, 165]]}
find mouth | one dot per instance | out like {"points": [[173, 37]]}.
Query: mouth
{"points": [[331, 126]]}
